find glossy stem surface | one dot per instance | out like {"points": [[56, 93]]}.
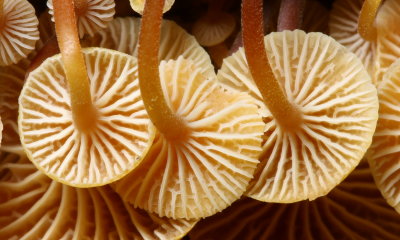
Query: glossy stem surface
{"points": [[161, 115], [291, 15], [83, 111], [366, 20], [253, 41]]}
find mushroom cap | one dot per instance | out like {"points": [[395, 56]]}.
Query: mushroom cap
{"points": [[337, 101], [388, 37], [33, 206], [122, 34], [18, 31], [205, 171], [11, 81], [119, 138], [384, 153], [138, 5], [343, 27], [211, 30], [95, 15], [353, 210]]}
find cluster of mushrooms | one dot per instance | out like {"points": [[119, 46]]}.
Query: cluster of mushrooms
{"points": [[252, 119]]}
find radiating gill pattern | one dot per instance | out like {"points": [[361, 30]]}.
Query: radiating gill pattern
{"points": [[122, 35], [138, 5], [94, 15], [353, 210], [339, 107], [204, 172], [11, 81], [18, 31], [343, 27], [33, 206], [388, 41], [384, 154], [118, 138]]}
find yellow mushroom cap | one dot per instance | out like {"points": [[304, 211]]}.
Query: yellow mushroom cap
{"points": [[384, 154], [353, 210], [95, 15], [18, 31], [122, 35], [33, 206], [343, 27], [205, 171], [117, 140], [339, 107], [138, 5]]}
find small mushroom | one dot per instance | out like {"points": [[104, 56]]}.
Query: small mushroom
{"points": [[18, 30], [93, 15], [318, 102], [138, 5]]}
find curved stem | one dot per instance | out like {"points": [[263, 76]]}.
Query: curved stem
{"points": [[48, 50], [291, 15], [166, 121], [83, 111], [253, 41], [366, 20]]}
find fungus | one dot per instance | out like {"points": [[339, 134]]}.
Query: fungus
{"points": [[79, 132], [316, 17], [93, 15], [318, 103], [35, 207], [208, 139], [291, 15], [18, 30], [353, 210], [138, 5], [218, 53]]}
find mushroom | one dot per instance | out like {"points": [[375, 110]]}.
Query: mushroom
{"points": [[384, 152], [291, 15], [208, 139], [93, 15], [138, 5], [215, 26], [18, 31], [353, 210], [33, 206], [218, 53], [315, 17], [318, 102], [79, 132]]}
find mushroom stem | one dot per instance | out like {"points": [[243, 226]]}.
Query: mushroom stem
{"points": [[48, 50], [83, 111], [161, 115], [366, 27], [1, 10], [80, 6], [287, 115], [291, 15]]}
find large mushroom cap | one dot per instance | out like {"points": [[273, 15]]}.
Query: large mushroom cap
{"points": [[32, 206], [343, 27], [93, 16], [353, 210], [117, 140], [384, 154], [204, 172], [138, 5], [18, 31], [338, 104]]}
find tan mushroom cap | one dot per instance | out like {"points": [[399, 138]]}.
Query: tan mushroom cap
{"points": [[122, 35], [18, 31], [343, 27], [211, 30], [353, 210], [205, 171], [138, 5], [11, 81], [33, 206], [338, 105], [384, 154], [388, 41], [118, 139], [93, 17]]}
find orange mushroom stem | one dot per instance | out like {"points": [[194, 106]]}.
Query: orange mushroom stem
{"points": [[161, 115], [83, 111], [291, 15], [366, 20], [48, 50], [287, 115], [1, 9]]}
